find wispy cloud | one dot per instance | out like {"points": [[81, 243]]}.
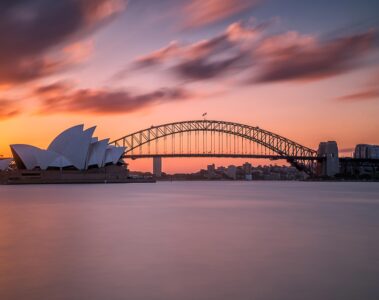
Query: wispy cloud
{"points": [[78, 52], [8, 109], [60, 97], [205, 59], [199, 12], [368, 93], [34, 35], [292, 56], [363, 95], [260, 58]]}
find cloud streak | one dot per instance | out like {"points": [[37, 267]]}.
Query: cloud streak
{"points": [[205, 59], [8, 109], [364, 95], [200, 13], [58, 98], [295, 57], [34, 35], [261, 58]]}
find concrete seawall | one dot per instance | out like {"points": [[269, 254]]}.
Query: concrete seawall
{"points": [[110, 174]]}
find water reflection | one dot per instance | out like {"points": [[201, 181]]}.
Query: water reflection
{"points": [[190, 240]]}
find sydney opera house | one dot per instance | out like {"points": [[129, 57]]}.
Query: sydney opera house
{"points": [[74, 148], [75, 155], [4, 163]]}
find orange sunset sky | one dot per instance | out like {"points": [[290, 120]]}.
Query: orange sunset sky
{"points": [[307, 70]]}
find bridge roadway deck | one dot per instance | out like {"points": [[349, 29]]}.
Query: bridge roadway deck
{"points": [[182, 155]]}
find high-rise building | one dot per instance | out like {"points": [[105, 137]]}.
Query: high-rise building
{"points": [[231, 172], [366, 151], [211, 170], [247, 168]]}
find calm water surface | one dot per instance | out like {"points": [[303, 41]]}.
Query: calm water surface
{"points": [[190, 240]]}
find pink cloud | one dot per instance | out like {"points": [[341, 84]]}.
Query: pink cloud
{"points": [[42, 38], [62, 97], [235, 34], [291, 56], [200, 12], [159, 56], [8, 109], [245, 48], [206, 58], [78, 52], [364, 95]]}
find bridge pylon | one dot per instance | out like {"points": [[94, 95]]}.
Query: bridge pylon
{"points": [[157, 166], [329, 166]]}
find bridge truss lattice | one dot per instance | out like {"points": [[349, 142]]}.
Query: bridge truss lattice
{"points": [[211, 138]]}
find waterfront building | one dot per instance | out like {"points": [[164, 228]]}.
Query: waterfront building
{"points": [[366, 151], [75, 148], [211, 171], [211, 168], [247, 167], [231, 172]]}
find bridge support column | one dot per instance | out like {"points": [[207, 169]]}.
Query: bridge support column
{"points": [[157, 166], [330, 165]]}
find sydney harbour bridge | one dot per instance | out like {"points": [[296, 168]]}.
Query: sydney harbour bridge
{"points": [[212, 138]]}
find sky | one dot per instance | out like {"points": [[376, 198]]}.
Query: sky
{"points": [[307, 70]]}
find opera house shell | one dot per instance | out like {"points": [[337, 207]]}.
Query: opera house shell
{"points": [[75, 148], [4, 163]]}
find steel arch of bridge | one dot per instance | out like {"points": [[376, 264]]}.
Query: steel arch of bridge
{"points": [[298, 155]]}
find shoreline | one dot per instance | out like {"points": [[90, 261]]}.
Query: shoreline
{"points": [[105, 175]]}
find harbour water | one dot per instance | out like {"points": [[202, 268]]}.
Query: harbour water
{"points": [[190, 240]]}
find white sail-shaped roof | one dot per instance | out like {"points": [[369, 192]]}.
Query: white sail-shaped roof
{"points": [[97, 153], [25, 154], [74, 145], [60, 162], [113, 154], [4, 163], [61, 141], [44, 158], [32, 157]]}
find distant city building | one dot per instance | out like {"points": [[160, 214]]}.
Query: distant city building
{"points": [[74, 148], [157, 166], [248, 177], [231, 172], [211, 168], [238, 173], [221, 169], [211, 171], [247, 167], [366, 151], [272, 176]]}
